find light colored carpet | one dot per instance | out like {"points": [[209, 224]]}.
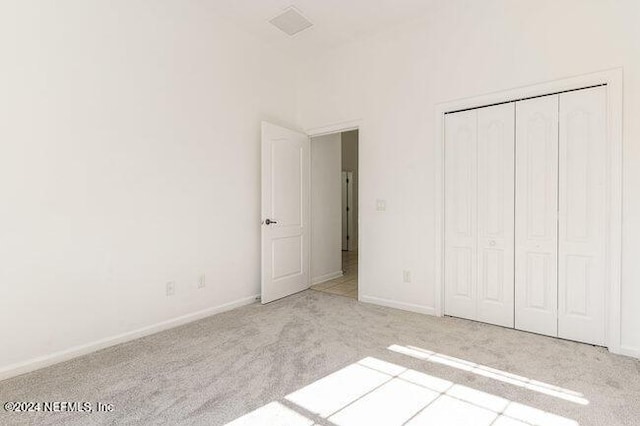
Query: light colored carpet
{"points": [[218, 369]]}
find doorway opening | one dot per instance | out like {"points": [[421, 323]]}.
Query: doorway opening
{"points": [[334, 213]]}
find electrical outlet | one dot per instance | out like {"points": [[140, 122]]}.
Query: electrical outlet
{"points": [[171, 288], [202, 282], [381, 205], [406, 276]]}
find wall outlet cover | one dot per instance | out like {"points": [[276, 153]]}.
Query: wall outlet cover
{"points": [[171, 288]]}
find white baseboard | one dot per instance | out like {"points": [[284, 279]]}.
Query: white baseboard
{"points": [[632, 352], [326, 277], [76, 351], [623, 350], [428, 310]]}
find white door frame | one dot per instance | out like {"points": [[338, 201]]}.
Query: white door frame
{"points": [[340, 127], [614, 80]]}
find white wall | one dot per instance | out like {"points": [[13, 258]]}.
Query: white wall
{"points": [[129, 157], [326, 208], [464, 48], [350, 163]]}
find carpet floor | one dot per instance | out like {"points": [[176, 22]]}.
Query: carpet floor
{"points": [[317, 358]]}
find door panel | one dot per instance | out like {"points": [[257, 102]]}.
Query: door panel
{"points": [[285, 200], [460, 214], [286, 183], [287, 255], [496, 214], [536, 238], [582, 221]]}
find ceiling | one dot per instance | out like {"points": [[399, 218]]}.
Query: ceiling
{"points": [[335, 21]]}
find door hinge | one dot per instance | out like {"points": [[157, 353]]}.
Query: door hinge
{"points": [[347, 237], [347, 208]]}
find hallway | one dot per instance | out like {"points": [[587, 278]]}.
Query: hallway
{"points": [[347, 284]]}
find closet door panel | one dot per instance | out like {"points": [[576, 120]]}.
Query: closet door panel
{"points": [[582, 220], [536, 238], [496, 214], [460, 214]]}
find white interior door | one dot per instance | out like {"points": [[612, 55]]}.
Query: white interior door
{"points": [[460, 274], [526, 219], [285, 212], [479, 217], [347, 210], [496, 146], [536, 253], [582, 222]]}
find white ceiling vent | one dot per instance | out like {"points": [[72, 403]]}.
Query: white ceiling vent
{"points": [[291, 21]]}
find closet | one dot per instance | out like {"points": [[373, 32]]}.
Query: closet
{"points": [[525, 220]]}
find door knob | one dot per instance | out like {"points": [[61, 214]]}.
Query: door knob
{"points": [[492, 243], [269, 221]]}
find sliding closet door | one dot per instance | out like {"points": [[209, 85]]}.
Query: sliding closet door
{"points": [[496, 214], [460, 214], [581, 269], [536, 255]]}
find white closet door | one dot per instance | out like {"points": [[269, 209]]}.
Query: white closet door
{"points": [[536, 256], [582, 225], [496, 214], [460, 214]]}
